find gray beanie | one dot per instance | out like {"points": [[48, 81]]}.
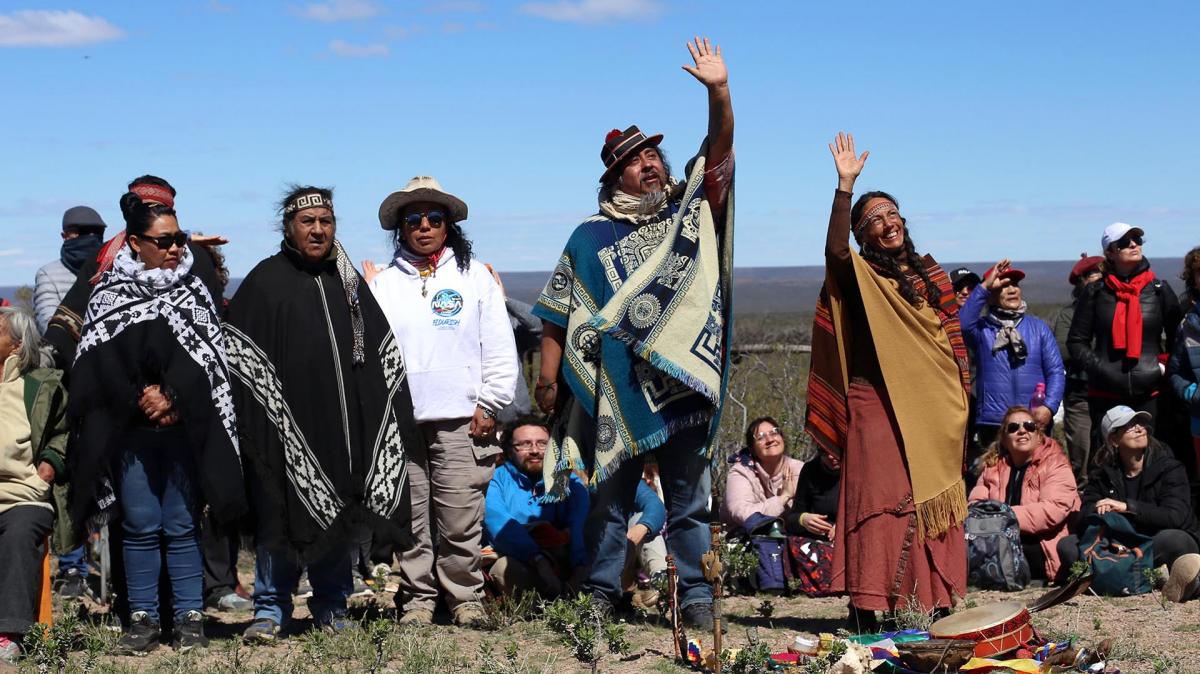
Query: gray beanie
{"points": [[82, 216]]}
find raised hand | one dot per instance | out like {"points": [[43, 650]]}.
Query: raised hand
{"points": [[710, 66], [369, 271], [993, 280], [849, 165]]}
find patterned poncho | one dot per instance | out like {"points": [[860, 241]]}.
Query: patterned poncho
{"points": [[323, 403], [152, 327], [646, 305]]}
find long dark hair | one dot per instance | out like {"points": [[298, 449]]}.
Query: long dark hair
{"points": [[889, 264], [455, 239]]}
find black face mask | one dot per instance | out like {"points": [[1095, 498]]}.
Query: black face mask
{"points": [[76, 251]]}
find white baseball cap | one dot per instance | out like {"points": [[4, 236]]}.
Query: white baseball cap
{"points": [[1121, 416], [1117, 231]]}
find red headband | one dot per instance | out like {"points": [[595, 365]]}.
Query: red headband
{"points": [[155, 193]]}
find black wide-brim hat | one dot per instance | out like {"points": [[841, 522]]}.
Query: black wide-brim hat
{"points": [[618, 145]]}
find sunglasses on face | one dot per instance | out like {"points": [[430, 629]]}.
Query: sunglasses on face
{"points": [[436, 219], [1128, 242], [165, 241], [1013, 427]]}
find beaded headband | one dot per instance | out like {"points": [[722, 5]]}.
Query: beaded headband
{"points": [[307, 200], [862, 222]]}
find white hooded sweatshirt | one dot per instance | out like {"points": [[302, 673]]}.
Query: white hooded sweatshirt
{"points": [[456, 339]]}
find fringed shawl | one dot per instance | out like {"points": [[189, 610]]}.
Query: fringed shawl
{"points": [[924, 363], [647, 312]]}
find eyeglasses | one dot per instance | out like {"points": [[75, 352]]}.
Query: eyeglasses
{"points": [[436, 218], [1128, 242], [166, 241], [1013, 427], [763, 435], [1132, 425], [526, 445]]}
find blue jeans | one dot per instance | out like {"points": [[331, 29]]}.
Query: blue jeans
{"points": [[687, 487], [276, 573], [75, 559], [158, 496]]}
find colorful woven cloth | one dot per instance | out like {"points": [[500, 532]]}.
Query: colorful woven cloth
{"points": [[646, 308]]}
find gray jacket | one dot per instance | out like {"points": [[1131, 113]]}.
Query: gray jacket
{"points": [[50, 286]]}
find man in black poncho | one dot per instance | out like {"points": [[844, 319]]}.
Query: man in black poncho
{"points": [[324, 411]]}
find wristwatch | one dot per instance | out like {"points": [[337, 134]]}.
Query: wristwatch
{"points": [[488, 413]]}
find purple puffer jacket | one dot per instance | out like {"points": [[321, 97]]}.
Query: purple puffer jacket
{"points": [[1000, 383]]}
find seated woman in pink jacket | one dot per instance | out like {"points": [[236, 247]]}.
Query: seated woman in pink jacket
{"points": [[1030, 472], [762, 477]]}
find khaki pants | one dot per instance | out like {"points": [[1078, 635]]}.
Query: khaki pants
{"points": [[513, 577], [448, 479]]}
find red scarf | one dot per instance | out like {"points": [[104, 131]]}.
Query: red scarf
{"points": [[1127, 320]]}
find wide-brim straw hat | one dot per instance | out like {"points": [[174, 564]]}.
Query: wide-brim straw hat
{"points": [[420, 188]]}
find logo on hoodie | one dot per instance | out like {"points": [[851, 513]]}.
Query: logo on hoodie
{"points": [[446, 304]]}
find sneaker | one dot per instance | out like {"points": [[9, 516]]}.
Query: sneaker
{"points": [[361, 589], [233, 602], [468, 615], [10, 650], [337, 624], [645, 597], [303, 588], [141, 637], [262, 630], [416, 616], [1184, 580], [189, 632], [700, 617], [70, 584]]}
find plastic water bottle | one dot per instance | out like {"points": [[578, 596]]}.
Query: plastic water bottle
{"points": [[1039, 397]]}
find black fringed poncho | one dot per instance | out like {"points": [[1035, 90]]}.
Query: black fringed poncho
{"points": [[324, 436]]}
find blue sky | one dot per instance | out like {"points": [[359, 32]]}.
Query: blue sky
{"points": [[1013, 129]]}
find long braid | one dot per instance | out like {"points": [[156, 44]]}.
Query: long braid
{"points": [[890, 266]]}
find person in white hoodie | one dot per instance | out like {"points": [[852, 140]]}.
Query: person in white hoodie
{"points": [[448, 315]]}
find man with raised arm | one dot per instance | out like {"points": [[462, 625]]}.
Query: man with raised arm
{"points": [[635, 343]]}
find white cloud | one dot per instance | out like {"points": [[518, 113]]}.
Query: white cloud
{"points": [[54, 28], [594, 11], [12, 252], [339, 10], [349, 50], [220, 7]]}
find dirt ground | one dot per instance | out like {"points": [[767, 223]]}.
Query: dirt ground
{"points": [[1149, 637]]}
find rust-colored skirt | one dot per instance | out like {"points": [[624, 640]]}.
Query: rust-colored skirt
{"points": [[878, 559]]}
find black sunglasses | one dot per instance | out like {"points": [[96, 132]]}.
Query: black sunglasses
{"points": [[165, 241], [1128, 242], [413, 220], [1013, 427]]}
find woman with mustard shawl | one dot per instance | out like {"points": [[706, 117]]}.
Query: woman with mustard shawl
{"points": [[887, 394]]}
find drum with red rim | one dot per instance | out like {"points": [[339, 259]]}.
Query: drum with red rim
{"points": [[996, 628]]}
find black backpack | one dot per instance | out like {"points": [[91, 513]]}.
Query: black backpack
{"points": [[995, 560]]}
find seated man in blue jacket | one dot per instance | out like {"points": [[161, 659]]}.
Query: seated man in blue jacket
{"points": [[540, 545]]}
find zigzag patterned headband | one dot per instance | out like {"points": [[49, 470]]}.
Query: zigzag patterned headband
{"points": [[862, 222], [307, 200]]}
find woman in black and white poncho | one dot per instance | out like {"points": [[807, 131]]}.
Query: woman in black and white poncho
{"points": [[157, 434]]}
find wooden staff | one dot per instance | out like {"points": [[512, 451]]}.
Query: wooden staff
{"points": [[673, 603], [716, 568]]}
